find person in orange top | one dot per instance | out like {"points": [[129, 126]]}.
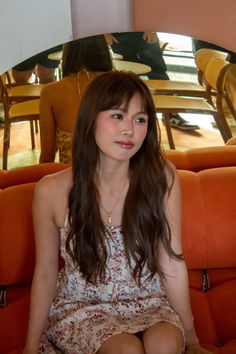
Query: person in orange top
{"points": [[82, 60]]}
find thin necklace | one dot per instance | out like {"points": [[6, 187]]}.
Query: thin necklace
{"points": [[109, 212]]}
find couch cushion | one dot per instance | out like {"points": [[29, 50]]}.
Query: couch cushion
{"points": [[209, 218], [16, 229], [222, 305], [13, 324]]}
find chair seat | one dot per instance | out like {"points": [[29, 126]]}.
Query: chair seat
{"points": [[27, 108], [175, 104], [171, 87], [25, 92]]}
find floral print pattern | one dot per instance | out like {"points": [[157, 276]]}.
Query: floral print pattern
{"points": [[63, 143], [83, 316]]}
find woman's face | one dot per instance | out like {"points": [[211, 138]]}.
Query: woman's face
{"points": [[120, 134]]}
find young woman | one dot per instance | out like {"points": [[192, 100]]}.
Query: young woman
{"points": [[115, 219], [82, 60]]}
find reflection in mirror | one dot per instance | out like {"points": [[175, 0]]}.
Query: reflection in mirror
{"points": [[153, 56], [39, 68]]}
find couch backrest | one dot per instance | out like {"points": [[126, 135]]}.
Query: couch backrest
{"points": [[209, 224], [199, 159], [191, 160], [209, 218], [28, 174]]}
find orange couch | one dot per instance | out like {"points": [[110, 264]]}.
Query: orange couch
{"points": [[209, 224], [192, 160]]}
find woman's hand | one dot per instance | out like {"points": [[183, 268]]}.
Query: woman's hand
{"points": [[150, 37], [196, 349], [110, 38]]}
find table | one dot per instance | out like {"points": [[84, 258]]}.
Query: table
{"points": [[116, 56], [121, 65], [137, 68], [58, 56]]}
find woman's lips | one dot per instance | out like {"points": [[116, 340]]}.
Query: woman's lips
{"points": [[125, 144]]}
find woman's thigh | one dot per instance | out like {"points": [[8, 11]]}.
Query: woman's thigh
{"points": [[123, 343], [163, 338]]}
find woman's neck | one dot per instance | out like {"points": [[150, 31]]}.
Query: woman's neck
{"points": [[112, 176], [112, 188]]}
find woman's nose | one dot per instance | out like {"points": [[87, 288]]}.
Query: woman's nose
{"points": [[127, 128]]}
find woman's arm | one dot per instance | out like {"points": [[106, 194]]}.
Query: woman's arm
{"points": [[46, 267], [176, 280], [47, 126]]}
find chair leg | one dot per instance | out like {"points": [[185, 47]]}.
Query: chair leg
{"points": [[222, 126], [168, 131], [36, 126], [227, 134], [6, 144], [231, 106], [32, 134]]}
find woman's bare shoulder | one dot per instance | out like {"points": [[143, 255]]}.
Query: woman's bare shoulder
{"points": [[56, 89], [53, 183], [51, 195]]}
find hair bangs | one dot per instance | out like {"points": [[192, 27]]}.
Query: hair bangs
{"points": [[118, 93]]}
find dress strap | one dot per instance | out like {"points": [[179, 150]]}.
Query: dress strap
{"points": [[66, 222], [88, 76]]}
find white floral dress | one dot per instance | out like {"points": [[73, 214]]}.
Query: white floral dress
{"points": [[83, 316]]}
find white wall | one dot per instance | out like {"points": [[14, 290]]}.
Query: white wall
{"points": [[29, 26], [91, 17]]}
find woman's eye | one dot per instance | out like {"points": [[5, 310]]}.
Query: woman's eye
{"points": [[117, 116], [141, 120]]}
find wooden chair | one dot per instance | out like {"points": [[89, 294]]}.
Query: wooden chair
{"points": [[17, 112], [229, 85], [216, 75], [202, 58], [179, 88], [183, 88], [19, 92], [174, 104]]}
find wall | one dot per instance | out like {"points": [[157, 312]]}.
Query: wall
{"points": [[30, 26], [210, 20], [103, 16]]}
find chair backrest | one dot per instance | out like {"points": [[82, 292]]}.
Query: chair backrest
{"points": [[4, 94], [228, 88], [202, 58], [215, 73]]}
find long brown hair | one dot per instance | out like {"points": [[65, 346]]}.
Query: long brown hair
{"points": [[90, 53], [144, 224]]}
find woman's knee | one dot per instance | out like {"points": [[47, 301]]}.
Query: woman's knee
{"points": [[163, 338], [122, 344], [22, 77], [45, 75]]}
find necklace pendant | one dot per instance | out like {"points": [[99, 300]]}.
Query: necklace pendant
{"points": [[109, 219]]}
